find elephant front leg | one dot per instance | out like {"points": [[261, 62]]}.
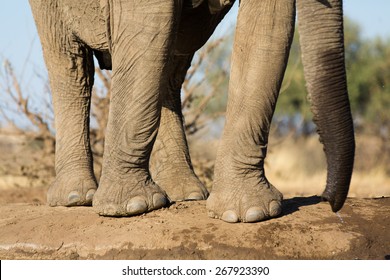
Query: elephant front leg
{"points": [[241, 191], [71, 69], [71, 77], [141, 33]]}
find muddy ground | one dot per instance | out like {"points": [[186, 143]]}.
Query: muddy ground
{"points": [[307, 229]]}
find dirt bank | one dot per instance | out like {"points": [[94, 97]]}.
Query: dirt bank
{"points": [[306, 230]]}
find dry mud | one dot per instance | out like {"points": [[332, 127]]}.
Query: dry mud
{"points": [[307, 229]]}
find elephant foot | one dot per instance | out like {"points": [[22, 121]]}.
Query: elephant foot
{"points": [[246, 201], [182, 185], [130, 197], [72, 190]]}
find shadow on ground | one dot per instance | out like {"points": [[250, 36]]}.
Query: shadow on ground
{"points": [[292, 205]]}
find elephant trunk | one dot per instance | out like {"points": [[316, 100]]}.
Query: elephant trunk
{"points": [[322, 41]]}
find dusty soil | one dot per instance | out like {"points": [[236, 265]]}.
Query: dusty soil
{"points": [[307, 229]]}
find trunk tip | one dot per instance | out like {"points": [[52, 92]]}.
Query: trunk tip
{"points": [[336, 201]]}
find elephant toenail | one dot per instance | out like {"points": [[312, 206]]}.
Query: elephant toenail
{"points": [[254, 214], [195, 196], [136, 205], [90, 194], [73, 197], [159, 200], [230, 216], [275, 208]]}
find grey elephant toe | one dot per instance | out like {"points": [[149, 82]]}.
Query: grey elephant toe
{"points": [[195, 196], [159, 201], [230, 216], [136, 205], [254, 214], [275, 208], [74, 197], [89, 195]]}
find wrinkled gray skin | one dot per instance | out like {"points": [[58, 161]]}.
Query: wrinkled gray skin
{"points": [[149, 45]]}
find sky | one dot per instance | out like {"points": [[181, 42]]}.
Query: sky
{"points": [[19, 42]]}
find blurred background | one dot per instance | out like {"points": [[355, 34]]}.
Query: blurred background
{"points": [[295, 162]]}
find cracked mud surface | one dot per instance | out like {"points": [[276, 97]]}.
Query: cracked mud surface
{"points": [[307, 229]]}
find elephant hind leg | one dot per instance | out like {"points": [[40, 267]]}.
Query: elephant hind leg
{"points": [[171, 165]]}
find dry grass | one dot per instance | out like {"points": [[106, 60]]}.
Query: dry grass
{"points": [[297, 167]]}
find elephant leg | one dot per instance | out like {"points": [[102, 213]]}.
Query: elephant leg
{"points": [[142, 34], [241, 191], [322, 41], [171, 163], [71, 69]]}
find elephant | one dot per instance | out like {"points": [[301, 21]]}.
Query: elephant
{"points": [[149, 46]]}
